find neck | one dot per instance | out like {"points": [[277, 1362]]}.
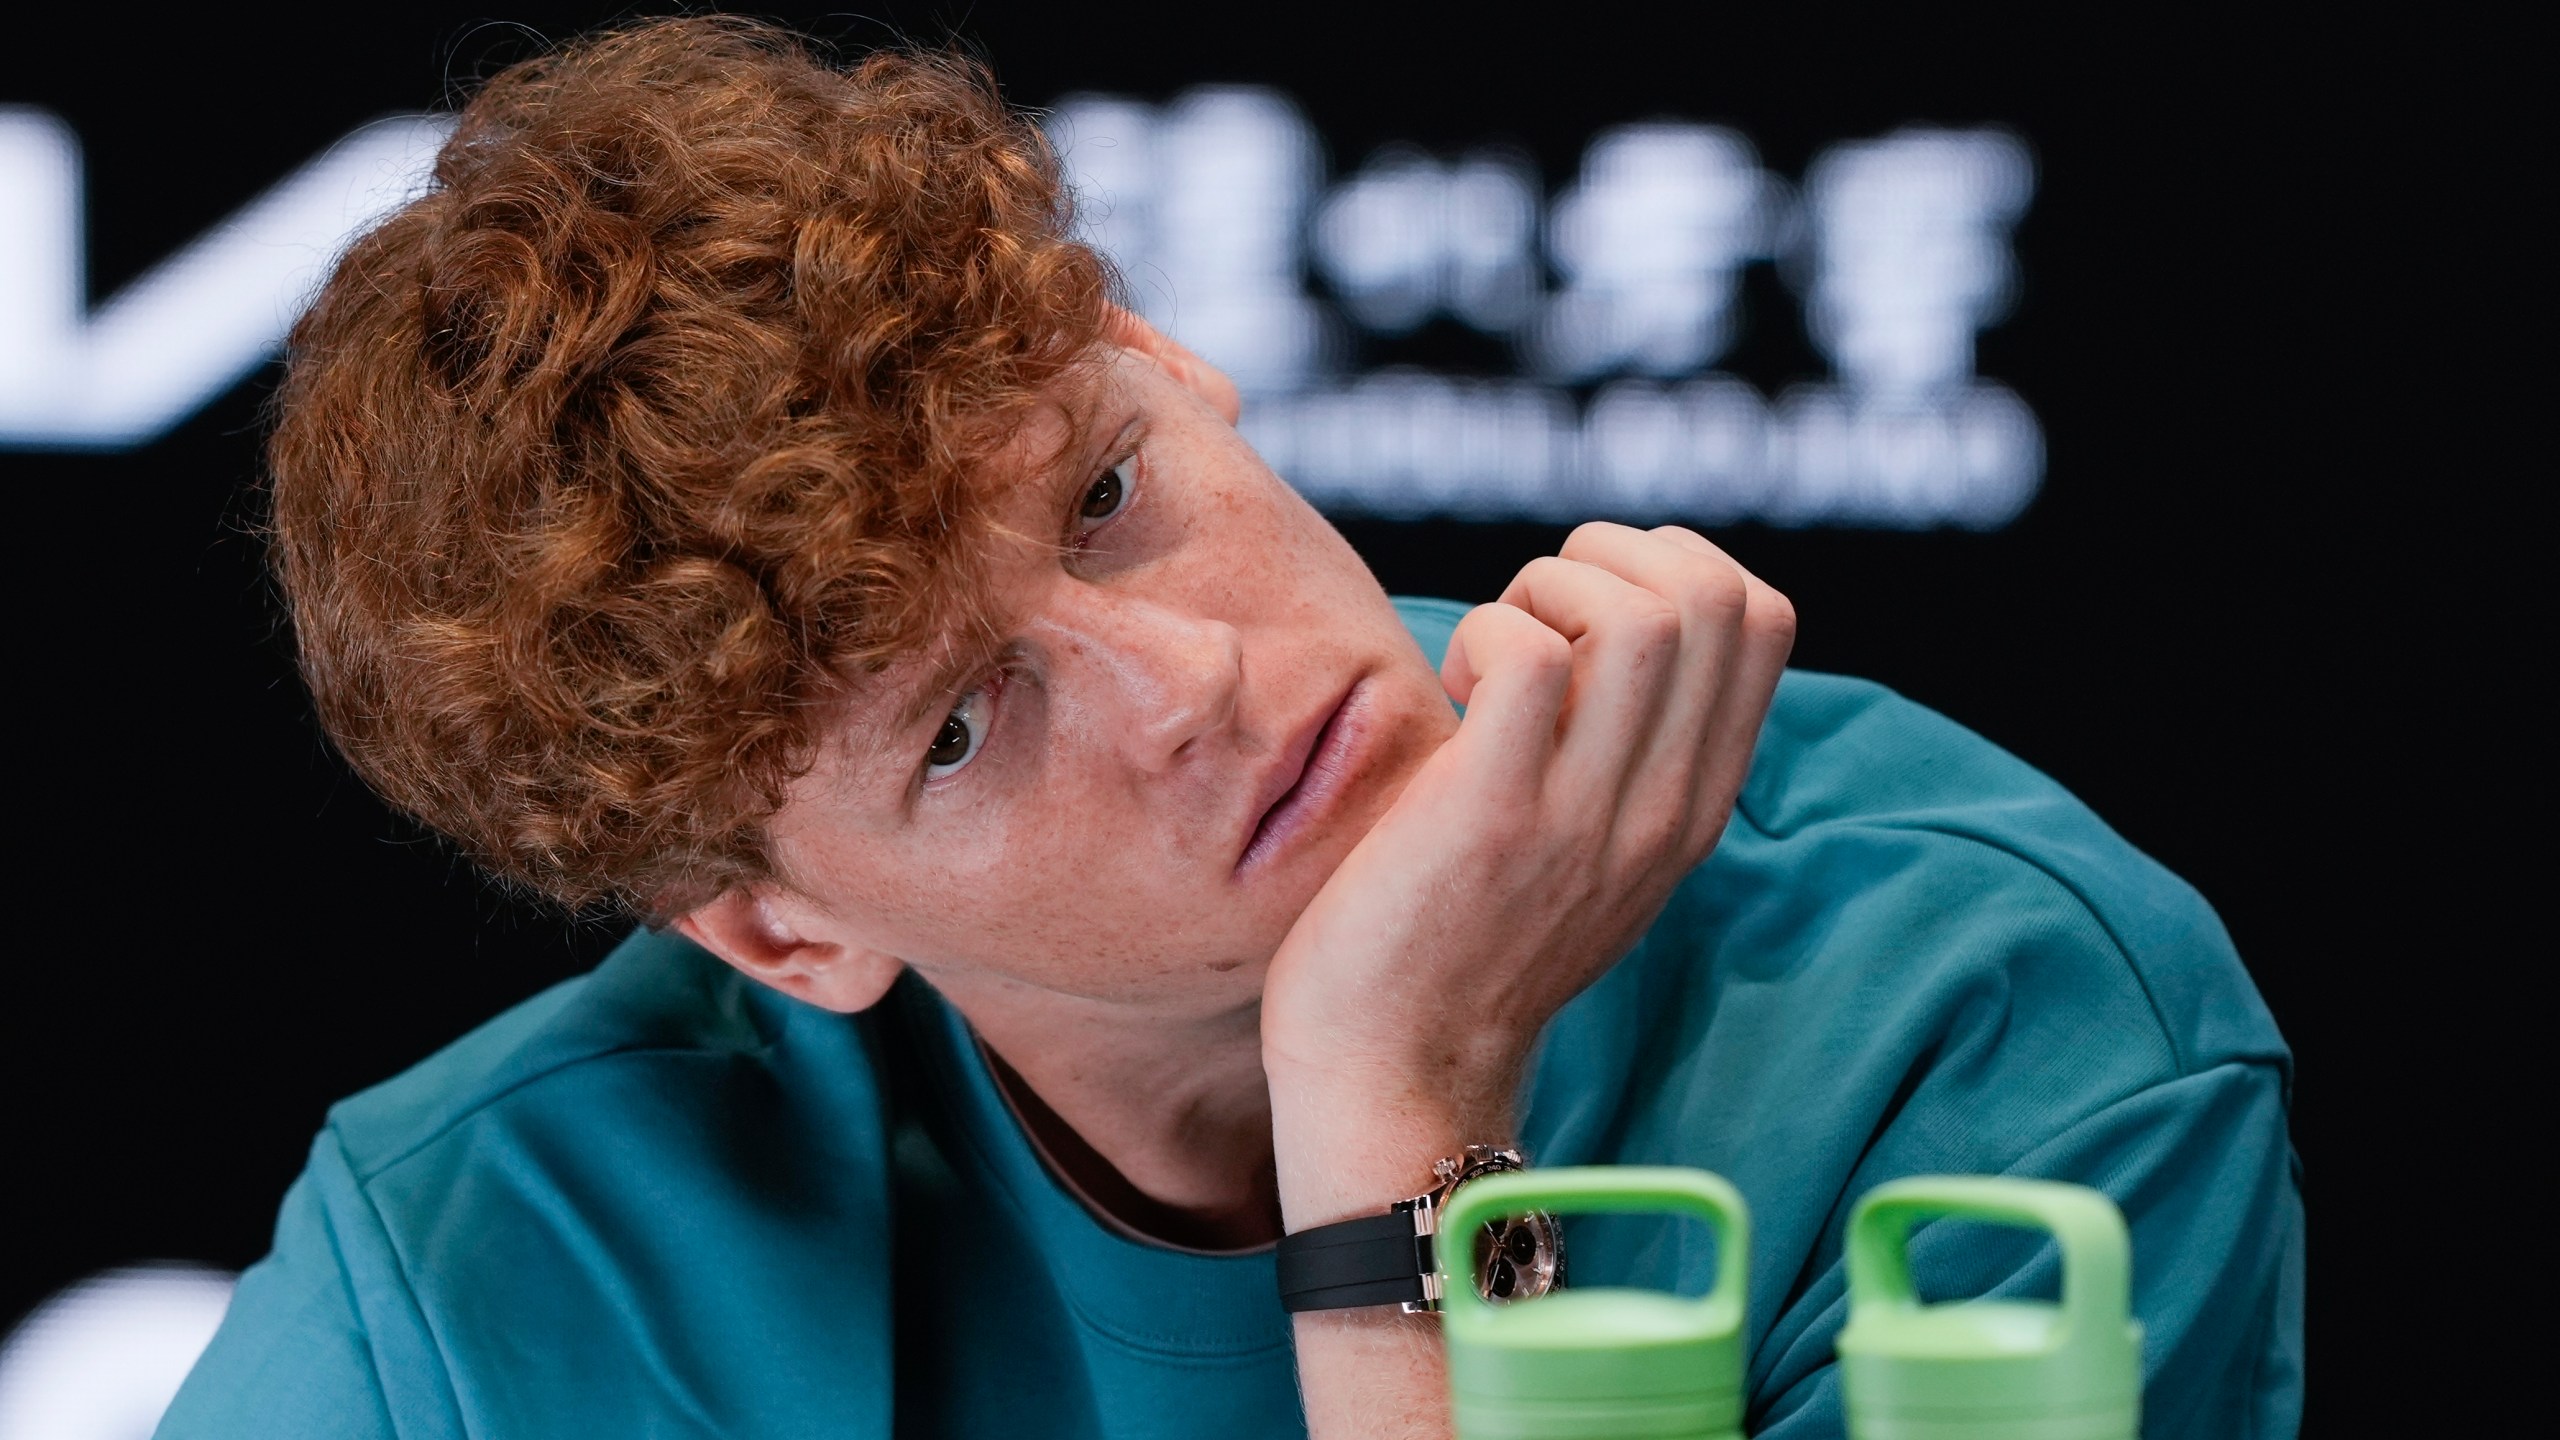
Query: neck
{"points": [[1164, 1126]]}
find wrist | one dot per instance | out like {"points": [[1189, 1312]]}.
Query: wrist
{"points": [[1344, 1147], [1467, 1070]]}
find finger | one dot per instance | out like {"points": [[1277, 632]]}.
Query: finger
{"points": [[1736, 634], [1686, 539], [1768, 630], [1626, 640], [1511, 672], [1768, 633], [1694, 761], [1759, 660], [1709, 592]]}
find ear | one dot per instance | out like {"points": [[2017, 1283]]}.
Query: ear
{"points": [[1175, 359], [783, 944]]}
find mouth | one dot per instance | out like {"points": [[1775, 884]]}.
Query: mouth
{"points": [[1308, 779]]}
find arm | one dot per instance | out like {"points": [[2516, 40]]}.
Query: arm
{"points": [[292, 1358], [1614, 696]]}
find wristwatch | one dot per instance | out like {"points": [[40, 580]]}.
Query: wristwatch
{"points": [[1391, 1259]]}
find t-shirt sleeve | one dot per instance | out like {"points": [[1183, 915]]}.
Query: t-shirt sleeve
{"points": [[2217, 1267], [295, 1356]]}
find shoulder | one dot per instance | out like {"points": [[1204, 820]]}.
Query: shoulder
{"points": [[1910, 953], [1875, 833], [662, 1158], [1836, 748], [1929, 957], [1886, 798], [655, 999], [1903, 926]]}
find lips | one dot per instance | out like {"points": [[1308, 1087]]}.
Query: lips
{"points": [[1306, 778]]}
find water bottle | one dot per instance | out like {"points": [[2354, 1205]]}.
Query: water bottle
{"points": [[1991, 1369], [1596, 1364]]}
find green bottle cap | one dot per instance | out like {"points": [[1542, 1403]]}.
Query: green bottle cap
{"points": [[1986, 1369], [1601, 1364]]}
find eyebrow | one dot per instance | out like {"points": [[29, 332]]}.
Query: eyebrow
{"points": [[947, 675], [964, 661]]}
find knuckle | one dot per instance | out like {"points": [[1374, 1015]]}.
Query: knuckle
{"points": [[1651, 624], [1593, 533], [1772, 616], [1719, 592], [1535, 651], [1548, 570], [1547, 650]]}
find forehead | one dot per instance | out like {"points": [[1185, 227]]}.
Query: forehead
{"points": [[1053, 428]]}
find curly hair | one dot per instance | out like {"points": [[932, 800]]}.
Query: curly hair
{"points": [[653, 426]]}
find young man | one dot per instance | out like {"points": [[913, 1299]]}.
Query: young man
{"points": [[730, 493]]}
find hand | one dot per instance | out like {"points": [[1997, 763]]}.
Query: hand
{"points": [[1614, 695]]}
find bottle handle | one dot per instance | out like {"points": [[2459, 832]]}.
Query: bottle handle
{"points": [[1595, 1189], [2086, 1225]]}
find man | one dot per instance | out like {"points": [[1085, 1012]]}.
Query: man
{"points": [[729, 493]]}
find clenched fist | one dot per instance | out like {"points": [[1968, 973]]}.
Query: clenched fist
{"points": [[1613, 697]]}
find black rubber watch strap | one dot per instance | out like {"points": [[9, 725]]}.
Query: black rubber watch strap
{"points": [[1374, 1260]]}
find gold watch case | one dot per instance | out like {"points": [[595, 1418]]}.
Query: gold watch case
{"points": [[1519, 1258]]}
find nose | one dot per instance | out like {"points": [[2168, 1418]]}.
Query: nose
{"points": [[1156, 677]]}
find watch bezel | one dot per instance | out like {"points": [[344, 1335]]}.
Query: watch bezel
{"points": [[1548, 1236]]}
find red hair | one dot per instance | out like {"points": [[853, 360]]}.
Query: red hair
{"points": [[606, 466]]}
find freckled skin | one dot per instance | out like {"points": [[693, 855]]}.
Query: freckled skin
{"points": [[1086, 852], [1214, 1055]]}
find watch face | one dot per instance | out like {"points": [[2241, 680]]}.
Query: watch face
{"points": [[1519, 1258]]}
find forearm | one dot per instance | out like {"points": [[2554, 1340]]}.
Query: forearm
{"points": [[1373, 1374], [1613, 699], [1347, 1150]]}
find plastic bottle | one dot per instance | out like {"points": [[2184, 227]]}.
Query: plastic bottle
{"points": [[1597, 1364], [1990, 1369]]}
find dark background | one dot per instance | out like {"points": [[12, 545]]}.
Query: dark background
{"points": [[2242, 619]]}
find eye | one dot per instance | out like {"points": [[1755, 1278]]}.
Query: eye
{"points": [[963, 731], [1108, 496]]}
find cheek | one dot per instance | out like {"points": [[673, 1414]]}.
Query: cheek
{"points": [[1258, 555], [1055, 881]]}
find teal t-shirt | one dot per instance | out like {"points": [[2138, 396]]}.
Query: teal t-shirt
{"points": [[661, 1200]]}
